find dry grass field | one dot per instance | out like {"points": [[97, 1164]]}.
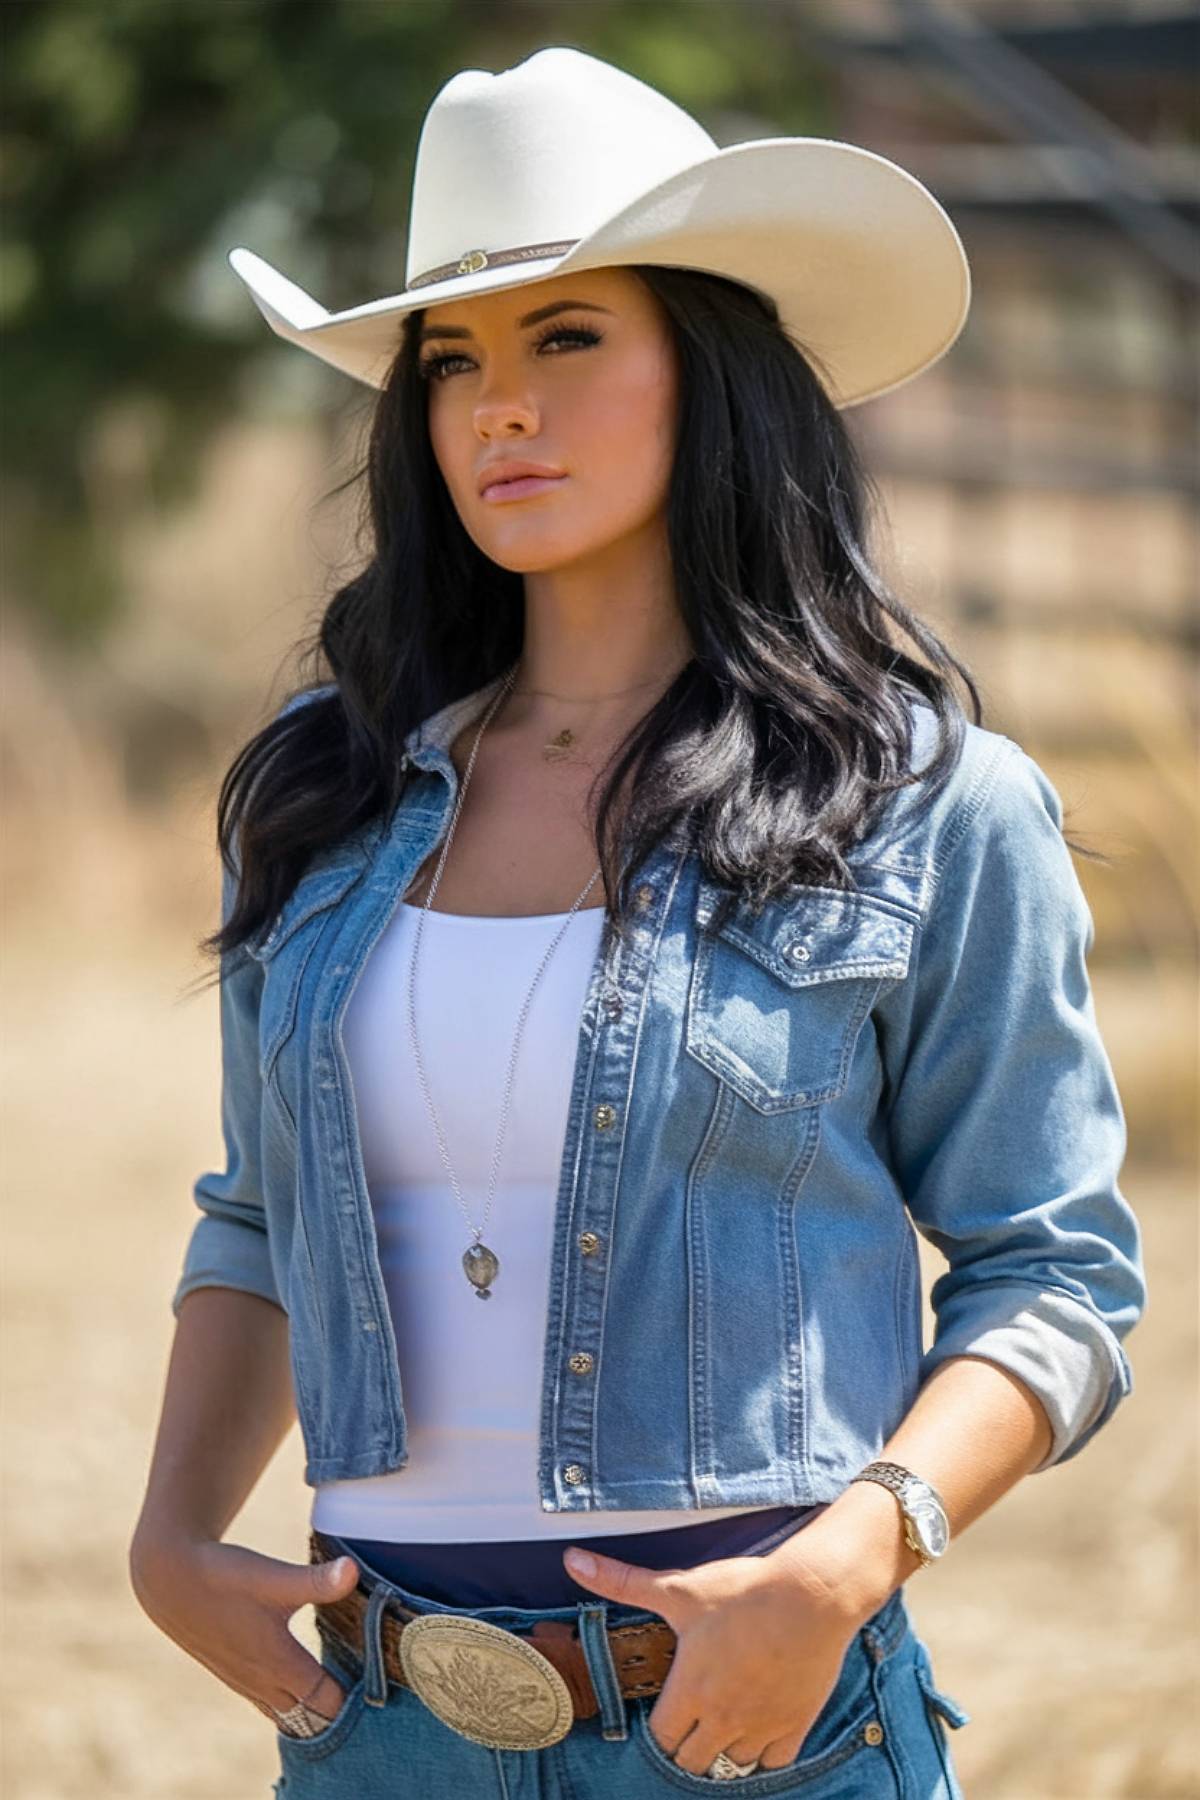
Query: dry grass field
{"points": [[1064, 1621]]}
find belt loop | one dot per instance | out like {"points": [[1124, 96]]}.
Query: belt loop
{"points": [[375, 1687], [593, 1635]]}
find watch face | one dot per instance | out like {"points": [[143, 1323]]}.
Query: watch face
{"points": [[929, 1523]]}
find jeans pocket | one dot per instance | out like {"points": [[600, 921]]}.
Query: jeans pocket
{"points": [[805, 1775], [843, 1738]]}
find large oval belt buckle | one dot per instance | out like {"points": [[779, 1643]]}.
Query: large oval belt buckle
{"points": [[486, 1683]]}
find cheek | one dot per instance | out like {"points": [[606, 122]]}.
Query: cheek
{"points": [[627, 439], [453, 445]]}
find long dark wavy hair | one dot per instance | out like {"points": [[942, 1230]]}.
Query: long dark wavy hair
{"points": [[775, 746]]}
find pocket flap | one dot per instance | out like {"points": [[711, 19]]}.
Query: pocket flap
{"points": [[827, 934]]}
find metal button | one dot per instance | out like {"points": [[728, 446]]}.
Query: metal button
{"points": [[581, 1362], [873, 1732], [614, 1006], [642, 897], [604, 1116], [589, 1243], [799, 952], [574, 1473]]}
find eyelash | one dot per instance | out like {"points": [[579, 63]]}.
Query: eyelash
{"points": [[432, 368]]}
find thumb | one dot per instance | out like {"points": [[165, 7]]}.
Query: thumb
{"points": [[627, 1582], [332, 1580], [294, 1585]]}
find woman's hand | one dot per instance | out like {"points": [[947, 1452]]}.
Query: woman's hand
{"points": [[759, 1651], [229, 1607]]}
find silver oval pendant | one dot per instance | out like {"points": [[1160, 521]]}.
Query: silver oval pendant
{"points": [[482, 1266]]}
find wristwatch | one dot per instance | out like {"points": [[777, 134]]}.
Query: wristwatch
{"points": [[926, 1527]]}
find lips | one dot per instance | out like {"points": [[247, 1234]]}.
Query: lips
{"points": [[503, 493], [507, 470]]}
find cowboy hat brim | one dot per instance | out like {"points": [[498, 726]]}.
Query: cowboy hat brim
{"points": [[866, 267]]}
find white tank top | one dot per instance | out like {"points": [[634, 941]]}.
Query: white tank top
{"points": [[470, 1369]]}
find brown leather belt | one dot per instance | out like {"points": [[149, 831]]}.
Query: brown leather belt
{"points": [[641, 1654]]}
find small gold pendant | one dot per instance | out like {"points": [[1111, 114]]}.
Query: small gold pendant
{"points": [[559, 747], [482, 1266]]}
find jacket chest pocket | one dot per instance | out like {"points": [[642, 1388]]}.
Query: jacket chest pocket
{"points": [[285, 951], [775, 1004]]}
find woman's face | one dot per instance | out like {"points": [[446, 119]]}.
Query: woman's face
{"points": [[577, 373]]}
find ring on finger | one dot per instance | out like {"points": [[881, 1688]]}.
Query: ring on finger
{"points": [[302, 1720], [723, 1767]]}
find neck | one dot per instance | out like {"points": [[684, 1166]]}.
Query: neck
{"points": [[602, 639]]}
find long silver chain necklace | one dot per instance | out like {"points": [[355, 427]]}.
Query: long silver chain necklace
{"points": [[480, 1262]]}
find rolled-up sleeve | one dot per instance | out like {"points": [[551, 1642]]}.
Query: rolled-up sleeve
{"points": [[229, 1246], [1005, 1125]]}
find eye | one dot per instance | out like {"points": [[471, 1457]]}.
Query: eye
{"points": [[436, 368]]}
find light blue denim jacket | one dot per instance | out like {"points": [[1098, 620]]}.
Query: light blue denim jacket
{"points": [[758, 1119]]}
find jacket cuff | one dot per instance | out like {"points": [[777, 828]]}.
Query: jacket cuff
{"points": [[1064, 1353], [227, 1253]]}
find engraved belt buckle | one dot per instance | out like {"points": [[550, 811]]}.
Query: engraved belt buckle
{"points": [[487, 1684]]}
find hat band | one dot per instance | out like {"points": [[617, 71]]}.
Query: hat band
{"points": [[475, 260]]}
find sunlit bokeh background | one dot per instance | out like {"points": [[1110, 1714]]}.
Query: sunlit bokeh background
{"points": [[171, 532]]}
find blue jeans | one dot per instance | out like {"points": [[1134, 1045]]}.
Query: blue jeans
{"points": [[881, 1734]]}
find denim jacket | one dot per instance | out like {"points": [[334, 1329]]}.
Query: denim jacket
{"points": [[760, 1119]]}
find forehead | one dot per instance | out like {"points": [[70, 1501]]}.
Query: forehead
{"points": [[617, 289]]}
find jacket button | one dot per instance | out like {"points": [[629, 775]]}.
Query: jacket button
{"points": [[873, 1732], [604, 1116], [574, 1473], [589, 1243], [614, 1006], [798, 952], [642, 897], [580, 1362]]}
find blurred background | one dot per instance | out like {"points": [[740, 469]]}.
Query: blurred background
{"points": [[174, 519]]}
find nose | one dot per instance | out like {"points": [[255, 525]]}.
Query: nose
{"points": [[501, 412], [504, 422]]}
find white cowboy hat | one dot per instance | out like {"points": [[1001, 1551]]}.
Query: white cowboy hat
{"points": [[565, 162]]}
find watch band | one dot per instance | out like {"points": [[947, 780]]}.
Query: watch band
{"points": [[888, 1474]]}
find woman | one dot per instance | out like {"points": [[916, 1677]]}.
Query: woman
{"points": [[750, 954]]}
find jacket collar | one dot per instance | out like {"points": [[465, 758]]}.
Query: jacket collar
{"points": [[427, 745]]}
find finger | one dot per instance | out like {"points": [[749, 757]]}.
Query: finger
{"points": [[627, 1583], [324, 1694], [329, 1698], [703, 1744], [672, 1717], [676, 1710], [776, 1755]]}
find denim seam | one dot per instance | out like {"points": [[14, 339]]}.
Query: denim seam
{"points": [[700, 1457], [970, 807], [649, 961], [793, 1188]]}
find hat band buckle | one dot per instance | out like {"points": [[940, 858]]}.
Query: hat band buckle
{"points": [[472, 261], [486, 1683]]}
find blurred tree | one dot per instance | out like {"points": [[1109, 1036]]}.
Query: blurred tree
{"points": [[144, 138]]}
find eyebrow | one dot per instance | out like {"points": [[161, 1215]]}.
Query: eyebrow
{"points": [[529, 318]]}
